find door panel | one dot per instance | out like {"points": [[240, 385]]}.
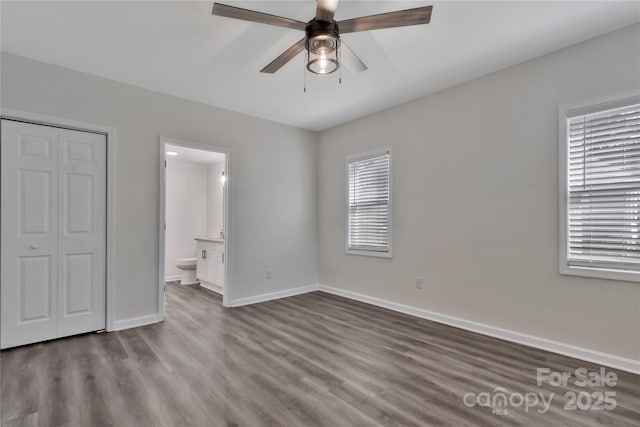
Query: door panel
{"points": [[78, 271], [35, 146], [79, 192], [217, 267], [34, 279], [34, 192], [82, 240], [28, 267], [211, 264], [221, 268], [79, 151]]}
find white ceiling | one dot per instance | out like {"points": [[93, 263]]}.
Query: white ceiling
{"points": [[193, 155], [179, 48]]}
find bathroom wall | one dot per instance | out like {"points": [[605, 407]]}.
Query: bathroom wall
{"points": [[215, 199], [186, 193]]}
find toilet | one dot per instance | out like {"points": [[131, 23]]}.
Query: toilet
{"points": [[188, 267]]}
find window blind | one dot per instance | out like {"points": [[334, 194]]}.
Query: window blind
{"points": [[604, 189], [369, 196]]}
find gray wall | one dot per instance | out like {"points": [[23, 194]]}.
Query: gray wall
{"points": [[273, 168], [476, 201]]}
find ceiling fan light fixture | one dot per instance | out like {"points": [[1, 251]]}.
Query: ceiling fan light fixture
{"points": [[323, 65], [322, 54], [323, 45]]}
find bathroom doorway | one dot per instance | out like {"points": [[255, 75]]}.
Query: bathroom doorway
{"points": [[194, 227]]}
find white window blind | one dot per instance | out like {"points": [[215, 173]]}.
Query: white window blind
{"points": [[369, 203], [604, 189]]}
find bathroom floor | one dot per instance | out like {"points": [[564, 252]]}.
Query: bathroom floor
{"points": [[308, 360]]}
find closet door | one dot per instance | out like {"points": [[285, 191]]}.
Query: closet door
{"points": [[82, 232], [29, 228], [53, 232]]}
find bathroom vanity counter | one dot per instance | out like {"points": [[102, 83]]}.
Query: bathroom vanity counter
{"points": [[210, 239], [210, 263]]}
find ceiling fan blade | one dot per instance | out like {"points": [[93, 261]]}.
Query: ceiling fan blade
{"points": [[326, 9], [227, 11], [401, 18], [286, 56], [350, 59]]}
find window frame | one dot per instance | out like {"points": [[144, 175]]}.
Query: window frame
{"points": [[565, 113], [362, 156]]}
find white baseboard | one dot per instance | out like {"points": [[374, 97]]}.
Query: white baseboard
{"points": [[605, 359], [172, 278], [274, 295], [613, 361], [119, 325]]}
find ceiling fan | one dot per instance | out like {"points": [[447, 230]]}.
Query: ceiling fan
{"points": [[325, 50]]}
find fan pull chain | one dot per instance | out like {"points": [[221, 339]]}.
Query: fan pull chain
{"points": [[339, 57], [304, 70]]}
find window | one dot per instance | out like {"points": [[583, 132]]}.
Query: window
{"points": [[600, 198], [369, 204]]}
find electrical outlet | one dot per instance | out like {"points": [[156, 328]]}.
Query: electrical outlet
{"points": [[268, 273], [419, 282]]}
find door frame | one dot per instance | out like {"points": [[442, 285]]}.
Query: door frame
{"points": [[228, 241], [111, 135]]}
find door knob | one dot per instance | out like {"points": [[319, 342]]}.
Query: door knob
{"points": [[33, 246]]}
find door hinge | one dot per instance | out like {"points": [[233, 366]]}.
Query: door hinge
{"points": [[223, 257]]}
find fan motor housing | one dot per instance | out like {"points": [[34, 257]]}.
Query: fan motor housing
{"points": [[317, 31], [323, 41]]}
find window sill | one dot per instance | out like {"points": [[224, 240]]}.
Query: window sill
{"points": [[601, 273], [369, 253]]}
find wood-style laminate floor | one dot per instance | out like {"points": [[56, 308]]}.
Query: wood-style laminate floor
{"points": [[309, 360]]}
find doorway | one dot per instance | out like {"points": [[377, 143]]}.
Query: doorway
{"points": [[54, 245], [194, 234]]}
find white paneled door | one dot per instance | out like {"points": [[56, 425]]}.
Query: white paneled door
{"points": [[53, 224]]}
